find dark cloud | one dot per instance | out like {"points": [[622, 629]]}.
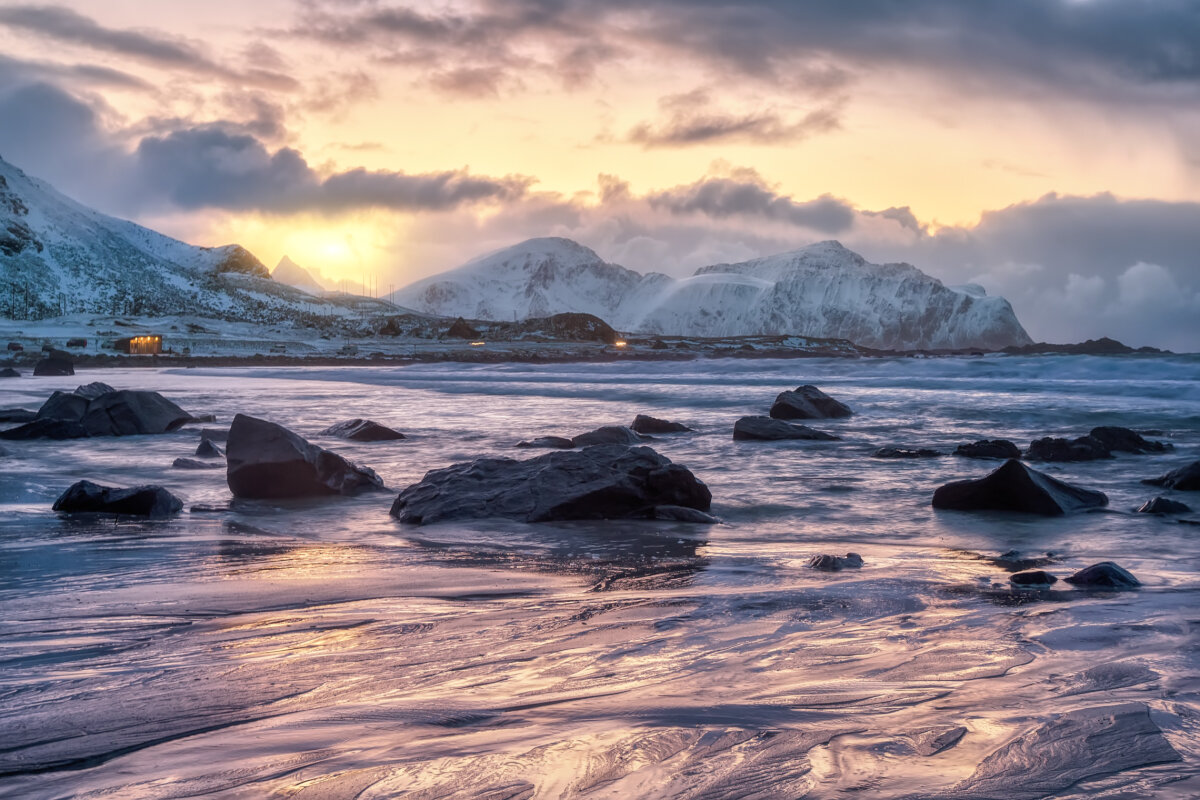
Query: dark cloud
{"points": [[65, 25], [469, 81], [745, 195], [692, 119], [900, 214], [13, 71]]}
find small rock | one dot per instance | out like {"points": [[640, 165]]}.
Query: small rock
{"points": [[1085, 448], [1105, 575], [553, 442], [191, 463], [202, 418], [832, 563], [1125, 440], [141, 501], [1184, 479], [808, 402], [903, 452], [646, 424], [768, 430], [1163, 505], [58, 429], [214, 434], [682, 514], [9, 372], [989, 448], [1016, 561], [1032, 579], [609, 434], [362, 430], [1016, 487], [208, 449]]}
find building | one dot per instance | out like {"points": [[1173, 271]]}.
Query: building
{"points": [[150, 344]]}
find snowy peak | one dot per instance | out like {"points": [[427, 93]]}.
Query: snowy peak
{"points": [[822, 290]]}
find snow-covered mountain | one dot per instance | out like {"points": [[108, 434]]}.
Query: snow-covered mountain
{"points": [[292, 274], [60, 257], [823, 290]]}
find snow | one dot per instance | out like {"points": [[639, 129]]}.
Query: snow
{"points": [[823, 290]]}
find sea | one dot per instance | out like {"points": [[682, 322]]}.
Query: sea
{"points": [[321, 650]]}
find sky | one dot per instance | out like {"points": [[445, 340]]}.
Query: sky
{"points": [[1048, 150]]}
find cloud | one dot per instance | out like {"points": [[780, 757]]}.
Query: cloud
{"points": [[692, 119], [746, 195]]}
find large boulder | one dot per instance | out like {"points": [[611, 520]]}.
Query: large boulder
{"points": [[93, 390], [362, 430], [140, 501], [1105, 575], [989, 448], [97, 410], [1016, 487], [646, 424], [64, 405], [265, 460], [600, 482], [609, 434], [767, 429], [1185, 479], [1085, 448], [46, 429], [1124, 440], [808, 402]]}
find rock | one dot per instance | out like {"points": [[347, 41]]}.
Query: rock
{"points": [[9, 372], [645, 424], [553, 442], [141, 501], [1016, 487], [1032, 579], [989, 448], [191, 463], [935, 740], [768, 429], [59, 429], [54, 365], [202, 418], [15, 347], [207, 449], [1016, 561], [362, 430], [902, 452], [1085, 448], [76, 342], [214, 435], [17, 415], [600, 482], [609, 434], [459, 329], [832, 563], [1124, 440], [93, 390], [1184, 479], [682, 514], [64, 405], [129, 413], [266, 460], [1162, 505], [1106, 575], [808, 402]]}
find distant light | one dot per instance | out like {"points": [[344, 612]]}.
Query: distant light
{"points": [[619, 343], [478, 344]]}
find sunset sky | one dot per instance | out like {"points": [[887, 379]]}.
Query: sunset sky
{"points": [[1049, 150]]}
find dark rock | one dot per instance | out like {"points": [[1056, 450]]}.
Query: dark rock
{"points": [[1085, 448], [1032, 579], [553, 442], [934, 740], [989, 448], [681, 514], [1185, 479], [202, 418], [1162, 505], [645, 424], [459, 329], [1016, 561], [129, 413], [1105, 575], [266, 460], [1124, 440], [54, 366], [208, 449], [17, 415], [9, 372], [362, 430], [903, 452], [141, 501], [214, 434], [76, 342], [93, 390], [59, 429], [832, 563], [1016, 487], [808, 402], [191, 463], [601, 482], [609, 434], [64, 405], [15, 347], [768, 429]]}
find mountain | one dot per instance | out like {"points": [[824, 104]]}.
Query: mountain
{"points": [[823, 290], [292, 274], [60, 257]]}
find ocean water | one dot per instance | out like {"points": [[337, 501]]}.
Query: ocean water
{"points": [[319, 649]]}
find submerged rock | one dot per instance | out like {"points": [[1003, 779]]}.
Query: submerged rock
{"points": [[832, 563], [609, 434], [768, 430], [1163, 505], [1124, 440], [1085, 448], [682, 514], [600, 482], [17, 415], [208, 449], [808, 402], [191, 463], [1016, 487], [140, 501], [362, 430], [646, 424], [1106, 575], [1185, 479], [989, 448], [553, 442], [1032, 579], [9, 372], [904, 452], [1016, 561], [266, 460]]}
